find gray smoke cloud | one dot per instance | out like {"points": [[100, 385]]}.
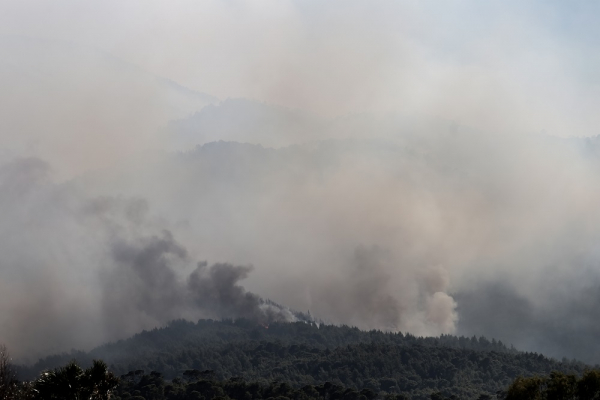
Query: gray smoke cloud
{"points": [[389, 174], [145, 288], [565, 324], [370, 293], [79, 271], [396, 234]]}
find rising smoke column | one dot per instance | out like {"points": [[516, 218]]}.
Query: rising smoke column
{"points": [[146, 286], [79, 271]]}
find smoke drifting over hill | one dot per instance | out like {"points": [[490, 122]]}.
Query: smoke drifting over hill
{"points": [[389, 175], [145, 286]]}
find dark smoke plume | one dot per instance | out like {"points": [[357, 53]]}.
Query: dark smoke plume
{"points": [[78, 271], [147, 282]]}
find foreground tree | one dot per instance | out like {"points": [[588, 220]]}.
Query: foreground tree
{"points": [[588, 387], [557, 386], [8, 384], [71, 382]]}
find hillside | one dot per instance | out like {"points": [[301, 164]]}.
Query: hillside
{"points": [[302, 354], [342, 226]]}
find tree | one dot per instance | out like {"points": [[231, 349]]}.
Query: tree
{"points": [[73, 383], [561, 386], [525, 389], [99, 381], [8, 384], [588, 387]]}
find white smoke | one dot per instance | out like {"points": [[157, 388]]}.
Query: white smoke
{"points": [[390, 172]]}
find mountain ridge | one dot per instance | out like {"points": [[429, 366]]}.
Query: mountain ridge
{"points": [[302, 353]]}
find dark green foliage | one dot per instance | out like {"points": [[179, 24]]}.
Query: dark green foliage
{"points": [[73, 383], [96, 383], [525, 389], [588, 387], [7, 375], [302, 355], [150, 388], [165, 346], [556, 386]]}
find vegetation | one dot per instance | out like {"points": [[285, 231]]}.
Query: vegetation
{"points": [[556, 386], [240, 359], [73, 383], [8, 381], [70, 382], [154, 387]]}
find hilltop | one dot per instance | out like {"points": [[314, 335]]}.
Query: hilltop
{"points": [[303, 353]]}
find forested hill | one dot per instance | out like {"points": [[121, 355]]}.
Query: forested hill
{"points": [[307, 354]]}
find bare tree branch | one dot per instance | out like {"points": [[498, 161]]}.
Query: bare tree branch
{"points": [[7, 374]]}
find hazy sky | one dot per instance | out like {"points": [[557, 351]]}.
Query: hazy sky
{"points": [[526, 66], [433, 207]]}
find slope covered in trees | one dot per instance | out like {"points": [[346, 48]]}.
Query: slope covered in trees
{"points": [[300, 354]]}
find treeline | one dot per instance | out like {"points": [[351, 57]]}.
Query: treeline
{"points": [[415, 370], [96, 383], [150, 347], [154, 387], [302, 355], [70, 382], [556, 386], [199, 385]]}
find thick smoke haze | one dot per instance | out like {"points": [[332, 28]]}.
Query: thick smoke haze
{"points": [[78, 270], [395, 166]]}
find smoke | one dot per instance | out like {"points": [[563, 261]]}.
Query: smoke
{"points": [[373, 292], [79, 271], [563, 325], [389, 177], [82, 109], [146, 288], [406, 234]]}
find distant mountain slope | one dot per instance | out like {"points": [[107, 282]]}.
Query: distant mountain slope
{"points": [[251, 121], [61, 96], [298, 213], [245, 120], [302, 353], [46, 64]]}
